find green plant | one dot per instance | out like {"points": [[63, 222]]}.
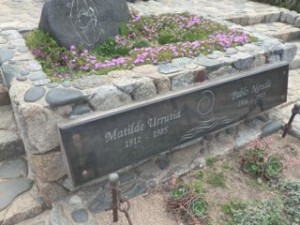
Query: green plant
{"points": [[216, 179], [210, 161], [197, 186], [257, 162], [291, 190], [273, 167], [165, 37], [180, 192], [110, 49], [233, 206], [199, 208], [266, 212]]}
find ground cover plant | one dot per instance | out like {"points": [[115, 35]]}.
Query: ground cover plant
{"points": [[245, 197], [144, 40]]}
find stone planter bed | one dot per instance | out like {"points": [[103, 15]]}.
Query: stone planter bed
{"points": [[39, 105]]}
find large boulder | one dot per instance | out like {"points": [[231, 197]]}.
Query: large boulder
{"points": [[83, 22]]}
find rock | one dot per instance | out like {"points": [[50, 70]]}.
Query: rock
{"points": [[34, 94], [57, 216], [100, 203], [52, 85], [9, 73], [181, 80], [291, 17], [161, 82], [244, 63], [91, 82], [34, 66], [41, 82], [40, 127], [11, 189], [80, 215], [169, 68], [26, 206], [289, 52], [48, 167], [66, 83], [52, 192], [109, 97], [21, 78], [210, 64], [145, 90], [297, 22], [80, 109], [182, 62], [138, 188], [63, 96], [271, 128], [37, 76], [83, 23], [139, 88], [231, 51], [16, 168], [5, 55]]}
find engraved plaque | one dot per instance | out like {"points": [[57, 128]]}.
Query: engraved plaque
{"points": [[97, 145]]}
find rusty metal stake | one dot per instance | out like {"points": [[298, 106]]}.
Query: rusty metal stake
{"points": [[295, 111], [114, 185]]}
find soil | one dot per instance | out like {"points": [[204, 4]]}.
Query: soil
{"points": [[151, 209]]}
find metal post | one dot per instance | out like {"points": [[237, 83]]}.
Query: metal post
{"points": [[114, 185], [295, 111]]}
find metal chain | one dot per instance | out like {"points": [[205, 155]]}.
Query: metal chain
{"points": [[124, 206]]}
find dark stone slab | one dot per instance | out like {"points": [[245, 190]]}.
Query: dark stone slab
{"points": [[10, 189], [83, 23], [100, 144], [63, 96], [34, 94]]}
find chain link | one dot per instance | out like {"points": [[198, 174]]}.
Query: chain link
{"points": [[124, 206]]}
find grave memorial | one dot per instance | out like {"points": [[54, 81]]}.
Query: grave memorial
{"points": [[105, 142], [83, 22], [130, 115]]}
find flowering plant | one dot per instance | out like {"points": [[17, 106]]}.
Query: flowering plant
{"points": [[144, 40]]}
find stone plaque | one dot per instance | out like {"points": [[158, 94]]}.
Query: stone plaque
{"points": [[105, 142]]}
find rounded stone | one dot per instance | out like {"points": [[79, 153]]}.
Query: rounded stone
{"points": [[21, 78], [34, 94], [231, 51], [24, 72], [63, 96], [80, 215], [66, 84], [80, 109], [52, 85]]}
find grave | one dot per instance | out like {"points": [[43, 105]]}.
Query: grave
{"points": [[151, 94], [101, 144]]}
